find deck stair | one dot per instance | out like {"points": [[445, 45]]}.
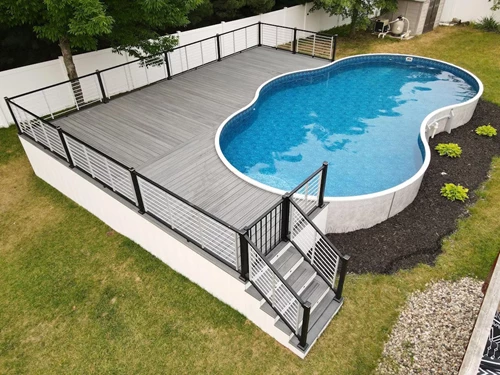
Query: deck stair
{"points": [[306, 282]]}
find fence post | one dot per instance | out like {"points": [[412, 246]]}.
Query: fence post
{"points": [[305, 326], [260, 34], [65, 146], [101, 85], [19, 131], [343, 273], [244, 255], [321, 198], [334, 47], [135, 182], [285, 218], [294, 47], [167, 65], [219, 58]]}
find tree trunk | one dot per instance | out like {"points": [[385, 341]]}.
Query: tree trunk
{"points": [[68, 57], [71, 70], [354, 22]]}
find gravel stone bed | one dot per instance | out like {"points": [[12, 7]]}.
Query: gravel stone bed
{"points": [[433, 330]]}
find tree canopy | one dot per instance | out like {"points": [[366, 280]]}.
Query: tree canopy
{"points": [[129, 25], [357, 10]]}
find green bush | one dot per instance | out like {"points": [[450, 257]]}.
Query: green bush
{"points": [[454, 192], [488, 24], [451, 150], [486, 130]]}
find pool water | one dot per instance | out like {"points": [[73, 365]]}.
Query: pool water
{"points": [[362, 118]]}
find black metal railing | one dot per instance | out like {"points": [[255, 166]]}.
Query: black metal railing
{"points": [[289, 306], [102, 85], [328, 262], [242, 250]]}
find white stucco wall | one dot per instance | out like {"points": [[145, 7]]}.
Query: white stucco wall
{"points": [[169, 247]]}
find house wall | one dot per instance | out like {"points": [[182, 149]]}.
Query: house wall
{"points": [[411, 10], [416, 12]]}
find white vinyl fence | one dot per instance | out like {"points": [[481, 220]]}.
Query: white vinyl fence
{"points": [[20, 80], [468, 10]]}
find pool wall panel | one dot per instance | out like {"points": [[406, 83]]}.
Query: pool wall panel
{"points": [[346, 214]]}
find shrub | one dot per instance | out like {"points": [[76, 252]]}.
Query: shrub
{"points": [[451, 150], [486, 130], [454, 192], [488, 24]]}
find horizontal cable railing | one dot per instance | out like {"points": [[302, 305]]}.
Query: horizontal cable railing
{"points": [[266, 231], [244, 251], [314, 44], [61, 98], [101, 167], [311, 192], [238, 40], [277, 292], [317, 249], [299, 41], [201, 228], [39, 130], [100, 86], [198, 226]]}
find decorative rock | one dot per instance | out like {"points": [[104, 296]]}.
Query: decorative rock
{"points": [[433, 330]]}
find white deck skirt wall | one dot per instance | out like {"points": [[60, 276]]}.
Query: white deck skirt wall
{"points": [[167, 246], [17, 81], [468, 10]]}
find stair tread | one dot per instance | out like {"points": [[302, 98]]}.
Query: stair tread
{"points": [[287, 260], [298, 279], [320, 318], [277, 250], [315, 292]]}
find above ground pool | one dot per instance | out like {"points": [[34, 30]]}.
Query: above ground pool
{"points": [[363, 115]]}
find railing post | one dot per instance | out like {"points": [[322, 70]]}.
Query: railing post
{"points": [[135, 182], [260, 34], [305, 326], [321, 198], [101, 85], [219, 58], [294, 47], [244, 256], [334, 47], [285, 217], [167, 65], [19, 131], [65, 146], [343, 273]]}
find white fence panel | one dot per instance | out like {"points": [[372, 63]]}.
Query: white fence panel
{"points": [[17, 81], [467, 10]]}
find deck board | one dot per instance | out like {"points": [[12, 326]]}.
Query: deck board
{"points": [[167, 130]]}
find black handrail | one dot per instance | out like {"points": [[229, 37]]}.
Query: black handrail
{"points": [[306, 306], [343, 258], [185, 201], [309, 178], [163, 52], [292, 28]]}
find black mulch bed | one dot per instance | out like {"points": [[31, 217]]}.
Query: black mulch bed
{"points": [[415, 235]]}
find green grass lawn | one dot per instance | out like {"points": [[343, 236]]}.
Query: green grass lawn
{"points": [[78, 298]]}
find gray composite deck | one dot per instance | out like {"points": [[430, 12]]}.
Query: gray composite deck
{"points": [[167, 130]]}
